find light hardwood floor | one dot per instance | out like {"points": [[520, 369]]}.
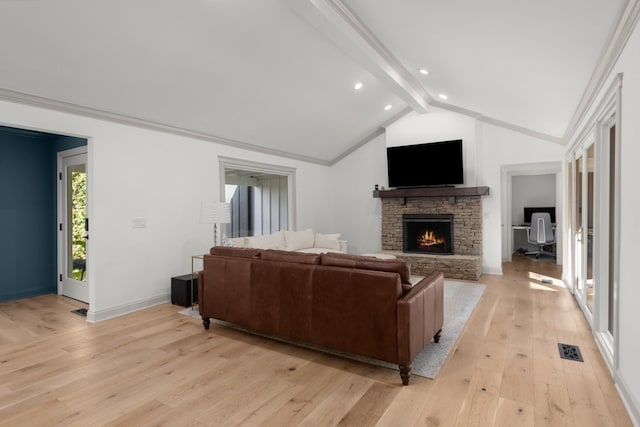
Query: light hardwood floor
{"points": [[158, 367]]}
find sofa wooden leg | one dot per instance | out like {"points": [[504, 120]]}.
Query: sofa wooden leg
{"points": [[206, 322], [405, 374], [436, 337]]}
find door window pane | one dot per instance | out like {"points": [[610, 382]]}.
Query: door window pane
{"points": [[578, 226], [76, 220], [590, 224], [612, 226]]}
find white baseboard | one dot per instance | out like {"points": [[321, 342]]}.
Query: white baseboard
{"points": [[110, 313], [492, 270], [633, 408]]}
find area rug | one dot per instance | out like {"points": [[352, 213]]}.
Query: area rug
{"points": [[459, 301]]}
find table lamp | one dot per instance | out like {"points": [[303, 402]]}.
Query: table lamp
{"points": [[215, 213]]}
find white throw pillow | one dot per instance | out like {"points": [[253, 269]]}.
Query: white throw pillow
{"points": [[271, 241], [295, 240], [236, 242], [327, 241]]}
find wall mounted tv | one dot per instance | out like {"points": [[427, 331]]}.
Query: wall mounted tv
{"points": [[426, 165]]}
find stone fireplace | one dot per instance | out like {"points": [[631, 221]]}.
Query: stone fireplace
{"points": [[412, 211]]}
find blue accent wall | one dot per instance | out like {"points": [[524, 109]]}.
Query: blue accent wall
{"points": [[28, 205]]}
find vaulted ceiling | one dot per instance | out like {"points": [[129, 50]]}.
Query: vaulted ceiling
{"points": [[278, 75]]}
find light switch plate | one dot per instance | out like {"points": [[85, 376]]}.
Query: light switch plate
{"points": [[139, 223]]}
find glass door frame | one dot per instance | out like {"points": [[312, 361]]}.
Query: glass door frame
{"points": [[579, 217], [609, 208], [67, 285]]}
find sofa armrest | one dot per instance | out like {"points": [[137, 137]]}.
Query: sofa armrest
{"points": [[343, 245], [420, 317], [201, 291]]}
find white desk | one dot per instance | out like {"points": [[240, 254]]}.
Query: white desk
{"points": [[523, 230]]}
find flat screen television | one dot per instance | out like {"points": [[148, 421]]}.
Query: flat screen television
{"points": [[433, 164]]}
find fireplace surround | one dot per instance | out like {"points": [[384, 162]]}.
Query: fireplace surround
{"points": [[427, 234], [462, 204]]}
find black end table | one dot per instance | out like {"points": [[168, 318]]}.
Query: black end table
{"points": [[181, 291]]}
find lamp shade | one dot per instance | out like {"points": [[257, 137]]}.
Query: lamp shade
{"points": [[215, 213]]}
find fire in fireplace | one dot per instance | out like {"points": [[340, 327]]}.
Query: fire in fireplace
{"points": [[425, 233]]}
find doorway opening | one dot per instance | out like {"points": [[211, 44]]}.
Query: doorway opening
{"points": [[529, 185], [262, 197], [28, 212]]}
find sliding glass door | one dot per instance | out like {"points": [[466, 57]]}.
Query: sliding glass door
{"points": [[593, 196], [592, 225]]}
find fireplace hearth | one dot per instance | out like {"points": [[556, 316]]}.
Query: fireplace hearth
{"points": [[427, 233]]}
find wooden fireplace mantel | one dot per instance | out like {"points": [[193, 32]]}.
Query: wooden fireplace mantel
{"points": [[432, 192]]}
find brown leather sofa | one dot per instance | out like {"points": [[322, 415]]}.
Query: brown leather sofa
{"points": [[360, 305]]}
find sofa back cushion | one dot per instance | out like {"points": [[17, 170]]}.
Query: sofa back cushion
{"points": [[327, 241], [286, 256], [235, 252], [295, 240], [368, 263], [271, 241]]}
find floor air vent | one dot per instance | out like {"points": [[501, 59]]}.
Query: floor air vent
{"points": [[80, 312], [571, 352]]}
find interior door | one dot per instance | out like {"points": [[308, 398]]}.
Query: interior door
{"points": [[73, 224]]}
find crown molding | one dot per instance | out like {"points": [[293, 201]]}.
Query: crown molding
{"points": [[496, 122], [627, 19], [605, 102], [373, 135], [525, 131], [66, 107]]}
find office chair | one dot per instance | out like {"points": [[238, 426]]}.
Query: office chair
{"points": [[541, 234]]}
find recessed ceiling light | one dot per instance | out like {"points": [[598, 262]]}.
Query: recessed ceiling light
{"points": [[358, 86], [443, 96], [388, 107], [423, 71]]}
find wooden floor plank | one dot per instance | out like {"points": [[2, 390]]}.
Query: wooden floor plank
{"points": [[481, 402], [371, 406], [552, 406], [510, 413]]}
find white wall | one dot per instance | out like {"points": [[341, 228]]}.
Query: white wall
{"points": [[627, 372], [138, 173], [356, 213]]}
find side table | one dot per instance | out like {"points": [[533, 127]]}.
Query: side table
{"points": [[194, 276]]}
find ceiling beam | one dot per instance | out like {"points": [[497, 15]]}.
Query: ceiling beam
{"points": [[337, 22]]}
